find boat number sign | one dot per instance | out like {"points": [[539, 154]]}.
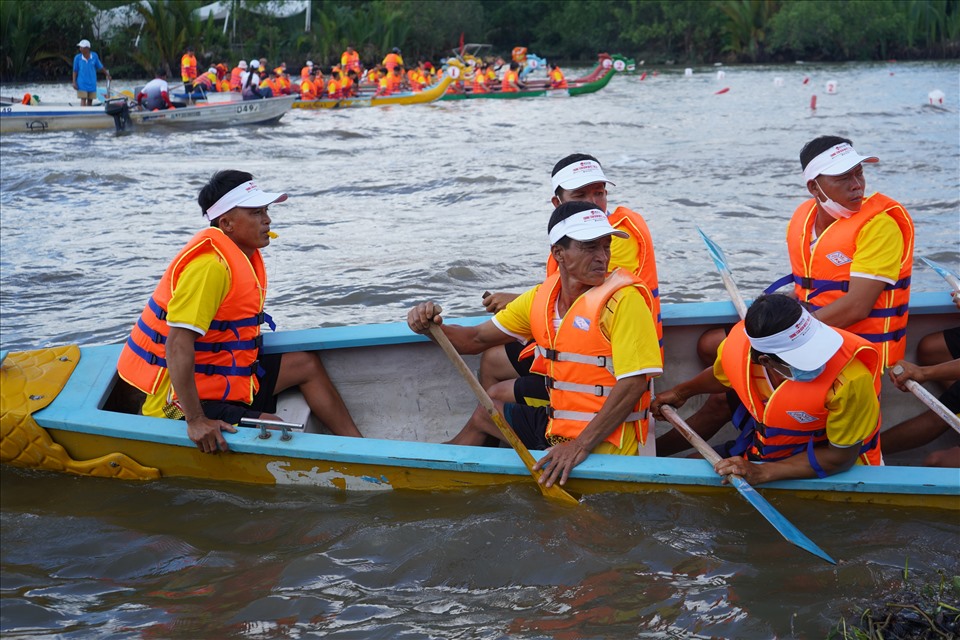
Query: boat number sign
{"points": [[248, 108]]}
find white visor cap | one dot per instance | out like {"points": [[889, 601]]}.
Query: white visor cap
{"points": [[247, 195], [578, 174], [835, 161], [807, 344], [585, 226]]}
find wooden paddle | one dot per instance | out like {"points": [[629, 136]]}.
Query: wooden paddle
{"points": [[931, 401], [720, 260], [915, 387], [555, 492], [774, 517]]}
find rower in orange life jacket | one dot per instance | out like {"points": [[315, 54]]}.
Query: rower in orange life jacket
{"points": [[350, 59], [572, 405], [811, 390], [835, 250], [308, 88], [334, 90], [349, 84], [480, 80], [779, 433], [557, 81], [511, 79], [598, 348], [392, 60], [306, 70], [188, 67]]}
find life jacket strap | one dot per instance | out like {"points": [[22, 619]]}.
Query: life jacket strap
{"points": [[812, 459], [593, 389], [561, 356], [586, 416]]}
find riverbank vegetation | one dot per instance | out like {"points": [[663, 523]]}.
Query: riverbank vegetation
{"points": [[38, 37]]}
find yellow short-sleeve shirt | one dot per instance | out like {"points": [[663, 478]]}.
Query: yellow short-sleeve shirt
{"points": [[198, 294], [879, 250]]}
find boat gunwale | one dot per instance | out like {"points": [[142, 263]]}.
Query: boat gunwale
{"points": [[78, 409]]}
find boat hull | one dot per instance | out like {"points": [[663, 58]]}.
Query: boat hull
{"points": [[29, 118], [17, 118], [407, 398], [218, 114], [430, 94], [595, 81]]}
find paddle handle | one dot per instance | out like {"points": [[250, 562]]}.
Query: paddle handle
{"points": [[556, 491], [931, 401], [692, 436], [734, 293]]}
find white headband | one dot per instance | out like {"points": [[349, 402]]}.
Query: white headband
{"points": [[835, 161], [247, 195], [578, 174]]}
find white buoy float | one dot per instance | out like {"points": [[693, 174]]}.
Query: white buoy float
{"points": [[688, 72], [936, 97], [831, 86], [721, 74]]}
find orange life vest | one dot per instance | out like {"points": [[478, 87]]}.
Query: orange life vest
{"points": [[235, 78], [557, 81], [391, 60], [631, 222], [793, 419], [347, 87], [510, 79], [578, 359], [480, 83], [333, 88], [821, 274], [350, 61], [226, 356], [308, 90], [188, 67]]}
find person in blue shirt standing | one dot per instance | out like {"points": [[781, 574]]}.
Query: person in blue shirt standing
{"points": [[85, 67]]}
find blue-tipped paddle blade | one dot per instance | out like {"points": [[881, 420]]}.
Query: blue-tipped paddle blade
{"points": [[781, 524], [716, 252], [945, 273]]}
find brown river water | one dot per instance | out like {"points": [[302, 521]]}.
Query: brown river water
{"points": [[393, 205]]}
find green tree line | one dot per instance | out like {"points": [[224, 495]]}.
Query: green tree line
{"points": [[39, 36]]}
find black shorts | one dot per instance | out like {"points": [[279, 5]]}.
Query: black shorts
{"points": [[952, 338], [513, 350], [531, 390], [264, 402], [951, 397], [529, 423]]}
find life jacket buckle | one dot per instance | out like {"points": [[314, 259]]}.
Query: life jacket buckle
{"points": [[216, 347], [601, 361], [550, 354], [599, 391], [806, 283], [254, 366], [549, 383]]}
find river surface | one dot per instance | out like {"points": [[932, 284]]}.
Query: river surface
{"points": [[390, 206]]}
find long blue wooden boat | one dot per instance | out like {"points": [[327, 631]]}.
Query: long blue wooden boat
{"points": [[62, 410]]}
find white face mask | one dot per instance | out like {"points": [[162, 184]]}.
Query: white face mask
{"points": [[835, 209]]}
